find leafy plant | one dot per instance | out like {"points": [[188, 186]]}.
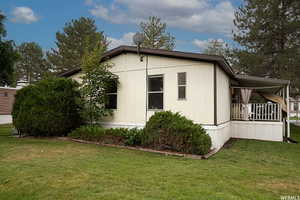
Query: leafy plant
{"points": [[91, 133], [97, 79], [167, 130], [121, 136]]}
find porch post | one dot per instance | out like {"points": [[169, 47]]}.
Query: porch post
{"points": [[288, 109]]}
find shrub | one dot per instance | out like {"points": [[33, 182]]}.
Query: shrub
{"points": [[88, 132], [121, 136], [171, 131], [50, 107]]}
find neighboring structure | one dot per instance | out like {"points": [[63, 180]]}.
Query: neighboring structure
{"points": [[7, 98], [295, 107], [203, 88]]}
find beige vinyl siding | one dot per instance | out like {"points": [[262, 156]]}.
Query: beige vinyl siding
{"points": [[131, 97], [223, 96]]}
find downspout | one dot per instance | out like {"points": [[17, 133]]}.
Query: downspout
{"points": [[146, 107], [288, 109], [215, 96]]}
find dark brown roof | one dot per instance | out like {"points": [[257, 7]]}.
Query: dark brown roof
{"points": [[242, 80], [160, 52], [248, 81]]}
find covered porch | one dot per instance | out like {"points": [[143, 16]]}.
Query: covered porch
{"points": [[260, 108]]}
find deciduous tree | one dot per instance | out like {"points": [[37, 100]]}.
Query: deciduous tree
{"points": [[97, 79]]}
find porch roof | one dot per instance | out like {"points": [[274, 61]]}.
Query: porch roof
{"points": [[255, 82]]}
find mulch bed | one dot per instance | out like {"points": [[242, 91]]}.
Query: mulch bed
{"points": [[166, 153]]}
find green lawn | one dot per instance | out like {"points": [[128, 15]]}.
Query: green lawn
{"points": [[50, 169]]}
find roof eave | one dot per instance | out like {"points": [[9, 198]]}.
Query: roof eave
{"points": [[160, 52]]}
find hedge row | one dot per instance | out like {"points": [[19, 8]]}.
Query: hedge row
{"points": [[163, 131], [120, 136]]}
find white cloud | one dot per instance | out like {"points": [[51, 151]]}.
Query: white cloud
{"points": [[197, 15], [126, 39], [203, 44], [23, 15]]}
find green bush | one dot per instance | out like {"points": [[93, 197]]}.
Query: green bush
{"points": [[50, 107], [121, 136], [171, 131], [88, 132]]}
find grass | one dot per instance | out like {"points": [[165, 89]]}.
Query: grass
{"points": [[294, 118], [51, 169]]}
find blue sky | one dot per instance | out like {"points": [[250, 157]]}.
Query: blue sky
{"points": [[192, 22]]}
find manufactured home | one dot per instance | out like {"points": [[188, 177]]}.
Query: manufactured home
{"points": [[204, 88]]}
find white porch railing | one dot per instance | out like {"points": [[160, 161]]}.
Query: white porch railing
{"points": [[256, 111]]}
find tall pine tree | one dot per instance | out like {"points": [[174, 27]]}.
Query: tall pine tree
{"points": [[32, 65], [155, 35], [72, 42], [269, 33]]}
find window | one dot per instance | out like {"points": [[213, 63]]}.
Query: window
{"points": [[296, 106], [5, 94], [111, 94], [181, 77], [155, 92]]}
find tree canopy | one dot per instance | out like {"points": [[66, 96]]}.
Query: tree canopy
{"points": [[216, 47], [32, 65], [8, 56], [72, 43], [2, 28], [269, 33], [155, 34]]}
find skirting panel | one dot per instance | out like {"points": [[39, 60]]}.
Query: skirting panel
{"points": [[270, 131], [121, 125], [5, 119], [219, 134]]}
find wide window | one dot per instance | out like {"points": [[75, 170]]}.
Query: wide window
{"points": [[111, 94], [155, 92], [181, 79]]}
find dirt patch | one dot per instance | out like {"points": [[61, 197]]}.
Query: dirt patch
{"points": [[230, 143], [281, 186], [30, 152]]}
